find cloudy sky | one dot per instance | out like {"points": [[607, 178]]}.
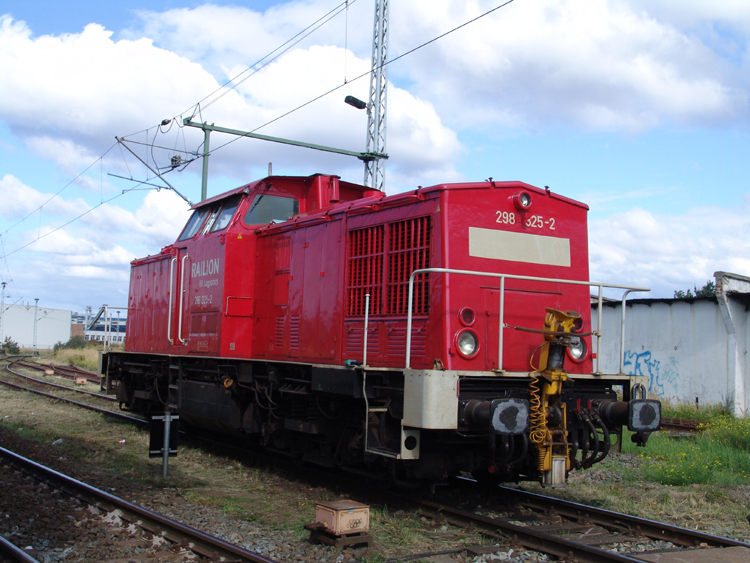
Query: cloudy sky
{"points": [[638, 108]]}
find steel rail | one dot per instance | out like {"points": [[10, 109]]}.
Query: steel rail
{"points": [[204, 544], [14, 553], [530, 538], [114, 414], [57, 385], [649, 528], [70, 372]]}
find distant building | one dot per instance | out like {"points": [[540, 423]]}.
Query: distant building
{"points": [[689, 350], [52, 325], [111, 330]]}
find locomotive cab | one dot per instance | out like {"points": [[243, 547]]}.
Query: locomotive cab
{"points": [[184, 301]]}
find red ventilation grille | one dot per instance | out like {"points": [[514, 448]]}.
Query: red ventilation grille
{"points": [[366, 253], [408, 250], [379, 272]]}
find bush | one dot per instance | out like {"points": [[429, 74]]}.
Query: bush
{"points": [[10, 346], [75, 343]]}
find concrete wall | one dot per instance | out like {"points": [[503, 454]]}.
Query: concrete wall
{"points": [[686, 347], [53, 326]]}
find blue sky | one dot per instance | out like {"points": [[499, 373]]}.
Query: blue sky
{"points": [[638, 108]]}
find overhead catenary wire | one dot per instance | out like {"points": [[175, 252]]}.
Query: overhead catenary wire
{"points": [[197, 108], [332, 90], [303, 34], [280, 50], [53, 196]]}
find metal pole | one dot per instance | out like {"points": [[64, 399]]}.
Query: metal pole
{"points": [[597, 366], [376, 108], [367, 316], [36, 310], [86, 326], [206, 153], [104, 338], [500, 328], [165, 448], [622, 332]]}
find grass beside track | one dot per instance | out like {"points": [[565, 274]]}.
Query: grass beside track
{"points": [[718, 455]]}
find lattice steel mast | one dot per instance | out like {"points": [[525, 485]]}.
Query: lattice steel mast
{"points": [[376, 129]]}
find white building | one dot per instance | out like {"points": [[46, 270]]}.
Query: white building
{"points": [[52, 325], [691, 349]]}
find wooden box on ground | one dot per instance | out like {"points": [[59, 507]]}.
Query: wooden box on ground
{"points": [[342, 517]]}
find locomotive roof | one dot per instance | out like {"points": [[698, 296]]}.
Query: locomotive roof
{"points": [[248, 187], [395, 198]]}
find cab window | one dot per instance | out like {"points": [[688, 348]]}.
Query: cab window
{"points": [[267, 209], [224, 216], [194, 223]]}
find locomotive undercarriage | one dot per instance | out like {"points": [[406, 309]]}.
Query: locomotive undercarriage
{"points": [[319, 415]]}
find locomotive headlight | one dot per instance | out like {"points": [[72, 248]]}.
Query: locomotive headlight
{"points": [[578, 351], [467, 343]]}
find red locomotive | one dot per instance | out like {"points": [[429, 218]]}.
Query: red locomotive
{"points": [[349, 328]]}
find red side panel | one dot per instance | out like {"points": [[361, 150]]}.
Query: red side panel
{"points": [[298, 299], [147, 307]]}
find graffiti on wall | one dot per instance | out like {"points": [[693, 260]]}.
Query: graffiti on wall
{"points": [[663, 377]]}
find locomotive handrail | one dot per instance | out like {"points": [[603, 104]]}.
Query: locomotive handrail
{"points": [[628, 289], [169, 307], [182, 293]]}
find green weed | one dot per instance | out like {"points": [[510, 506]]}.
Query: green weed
{"points": [[717, 455]]}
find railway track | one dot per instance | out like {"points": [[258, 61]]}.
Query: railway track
{"points": [[37, 383], [683, 425], [567, 529], [559, 528], [167, 534], [13, 554], [69, 372]]}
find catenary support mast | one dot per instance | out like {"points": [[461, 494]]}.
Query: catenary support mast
{"points": [[376, 129]]}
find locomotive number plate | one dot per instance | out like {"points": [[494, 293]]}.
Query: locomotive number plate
{"points": [[533, 221], [204, 299]]}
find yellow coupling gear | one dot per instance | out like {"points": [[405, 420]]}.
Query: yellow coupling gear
{"points": [[545, 390], [538, 421], [538, 432]]}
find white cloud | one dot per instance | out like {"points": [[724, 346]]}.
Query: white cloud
{"points": [[598, 65], [104, 87], [692, 13], [225, 37], [86, 84], [670, 252], [18, 200], [87, 261]]}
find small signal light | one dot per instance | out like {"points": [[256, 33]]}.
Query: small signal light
{"points": [[522, 201], [467, 316]]}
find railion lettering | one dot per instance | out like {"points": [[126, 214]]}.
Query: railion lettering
{"points": [[205, 268]]}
